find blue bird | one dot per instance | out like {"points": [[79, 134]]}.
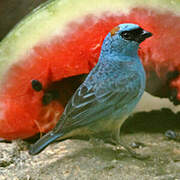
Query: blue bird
{"points": [[108, 94]]}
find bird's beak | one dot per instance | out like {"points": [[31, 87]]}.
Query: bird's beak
{"points": [[146, 34], [143, 36]]}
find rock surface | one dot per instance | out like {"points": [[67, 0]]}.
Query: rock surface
{"points": [[91, 160]]}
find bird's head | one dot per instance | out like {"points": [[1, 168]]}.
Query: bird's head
{"points": [[125, 39]]}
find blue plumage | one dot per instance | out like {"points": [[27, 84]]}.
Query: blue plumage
{"points": [[109, 93]]}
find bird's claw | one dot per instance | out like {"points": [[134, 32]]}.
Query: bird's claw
{"points": [[138, 156], [119, 143], [137, 145], [133, 153]]}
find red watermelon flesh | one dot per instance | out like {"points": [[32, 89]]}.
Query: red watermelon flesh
{"points": [[22, 113]]}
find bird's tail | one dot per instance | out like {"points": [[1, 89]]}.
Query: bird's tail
{"points": [[43, 142]]}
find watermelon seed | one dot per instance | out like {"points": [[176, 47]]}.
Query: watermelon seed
{"points": [[36, 85]]}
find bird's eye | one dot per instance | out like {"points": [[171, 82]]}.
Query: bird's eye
{"points": [[126, 35]]}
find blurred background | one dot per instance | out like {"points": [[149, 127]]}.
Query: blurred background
{"points": [[12, 11]]}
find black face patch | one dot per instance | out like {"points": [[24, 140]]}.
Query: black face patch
{"points": [[138, 35]]}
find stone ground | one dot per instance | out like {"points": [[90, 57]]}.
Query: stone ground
{"points": [[91, 160]]}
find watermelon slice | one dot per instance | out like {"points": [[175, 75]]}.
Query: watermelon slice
{"points": [[60, 41]]}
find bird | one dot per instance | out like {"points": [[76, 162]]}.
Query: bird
{"points": [[108, 94]]}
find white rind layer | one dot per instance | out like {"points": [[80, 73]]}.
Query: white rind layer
{"points": [[51, 18], [149, 103]]}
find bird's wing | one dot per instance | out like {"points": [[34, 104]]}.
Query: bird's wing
{"points": [[88, 104]]}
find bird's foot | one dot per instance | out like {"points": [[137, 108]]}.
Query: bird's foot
{"points": [[131, 151], [137, 145]]}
